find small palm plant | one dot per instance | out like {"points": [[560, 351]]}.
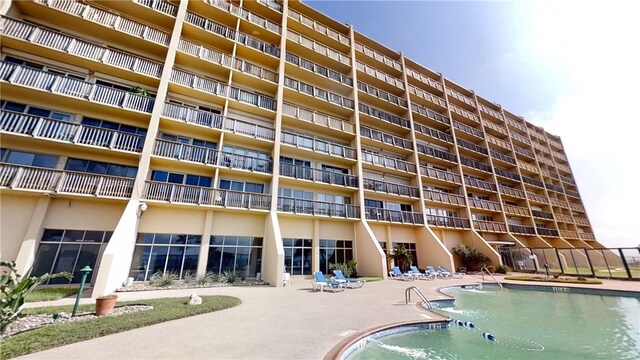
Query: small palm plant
{"points": [[401, 257]]}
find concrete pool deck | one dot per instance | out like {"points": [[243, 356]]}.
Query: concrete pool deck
{"points": [[271, 323]]}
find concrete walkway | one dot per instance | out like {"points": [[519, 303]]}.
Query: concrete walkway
{"points": [[271, 323]]}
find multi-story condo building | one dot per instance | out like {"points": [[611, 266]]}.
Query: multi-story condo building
{"points": [[256, 137]]}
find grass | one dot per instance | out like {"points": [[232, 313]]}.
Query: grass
{"points": [[551, 279], [71, 332], [370, 278], [49, 294]]}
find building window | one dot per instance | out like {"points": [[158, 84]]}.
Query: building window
{"points": [[334, 251], [297, 256], [104, 124], [70, 251], [411, 247], [42, 67], [188, 141], [181, 179], [241, 186], [28, 159], [240, 255], [36, 111], [165, 253], [102, 168]]}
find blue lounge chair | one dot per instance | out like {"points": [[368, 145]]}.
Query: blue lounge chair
{"points": [[444, 275], [455, 275], [397, 274], [320, 282], [353, 283], [426, 276]]}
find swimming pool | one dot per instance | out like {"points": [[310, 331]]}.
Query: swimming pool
{"points": [[526, 325]]}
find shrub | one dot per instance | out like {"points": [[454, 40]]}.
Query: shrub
{"points": [[401, 257], [348, 269], [189, 277], [214, 277], [503, 269], [471, 258], [204, 279], [163, 279], [229, 277]]}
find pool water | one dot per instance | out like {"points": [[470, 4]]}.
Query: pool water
{"points": [[526, 325]]}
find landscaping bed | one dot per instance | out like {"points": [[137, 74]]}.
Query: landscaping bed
{"points": [[181, 284], [553, 279]]}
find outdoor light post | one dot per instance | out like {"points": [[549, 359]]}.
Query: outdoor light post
{"points": [[85, 271]]}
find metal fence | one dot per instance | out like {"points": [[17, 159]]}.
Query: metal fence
{"points": [[614, 263]]}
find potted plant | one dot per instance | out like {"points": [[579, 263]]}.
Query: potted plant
{"points": [[105, 304]]}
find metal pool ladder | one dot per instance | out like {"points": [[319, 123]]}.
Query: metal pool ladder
{"points": [[484, 268], [407, 296]]}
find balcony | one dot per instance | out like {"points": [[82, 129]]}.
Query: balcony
{"points": [[547, 232], [572, 193], [443, 197], [243, 162], [161, 6], [380, 75], [484, 204], [475, 164], [577, 207], [427, 95], [396, 216], [381, 94], [480, 184], [317, 118], [500, 156], [318, 93], [521, 229], [494, 140], [378, 56], [581, 221], [246, 15], [457, 95], [64, 182], [464, 113], [542, 214], [319, 69], [318, 47], [319, 27], [433, 133], [448, 222], [272, 4], [505, 190], [383, 115], [537, 198], [425, 79], [586, 236], [489, 226], [109, 20], [192, 116], [524, 152], [533, 182], [386, 138], [520, 138], [440, 175], [318, 145], [473, 147], [318, 175], [557, 155], [468, 129], [299, 206], [507, 174], [57, 84], [564, 168], [388, 162], [23, 124], [76, 46], [515, 210], [440, 154], [431, 114], [494, 127], [564, 218], [518, 126], [197, 195], [179, 151], [495, 114], [552, 187], [567, 234], [566, 179], [546, 161], [391, 188], [528, 167]]}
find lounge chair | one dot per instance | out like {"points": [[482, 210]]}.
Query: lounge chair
{"points": [[320, 283], [352, 283], [422, 275], [444, 275], [397, 274], [455, 275]]}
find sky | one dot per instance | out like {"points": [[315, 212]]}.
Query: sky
{"points": [[572, 67]]}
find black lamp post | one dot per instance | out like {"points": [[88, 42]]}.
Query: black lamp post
{"points": [[85, 271]]}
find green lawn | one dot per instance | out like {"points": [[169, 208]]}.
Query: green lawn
{"points": [[370, 278], [49, 294], [551, 279], [71, 332]]}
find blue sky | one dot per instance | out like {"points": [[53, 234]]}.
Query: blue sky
{"points": [[569, 66]]}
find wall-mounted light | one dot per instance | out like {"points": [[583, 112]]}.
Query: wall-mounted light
{"points": [[142, 207]]}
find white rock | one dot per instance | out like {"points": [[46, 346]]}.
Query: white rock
{"points": [[195, 299]]}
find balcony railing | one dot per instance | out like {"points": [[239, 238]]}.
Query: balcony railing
{"points": [[448, 221], [318, 145], [475, 164], [388, 162], [244, 162], [524, 152], [319, 27], [440, 154], [425, 79], [397, 216], [176, 150], [318, 175], [490, 226], [385, 137], [526, 166], [69, 182], [319, 69], [581, 221], [18, 123], [569, 234], [511, 191], [317, 118], [468, 129], [197, 195], [515, 210], [499, 142], [299, 206], [575, 194], [58, 84], [378, 56], [247, 15], [564, 218], [521, 229], [110, 20], [79, 47], [565, 179], [381, 94], [427, 95], [577, 207], [318, 93], [431, 114], [480, 184], [563, 168], [193, 116], [391, 188], [383, 115], [467, 114], [507, 174], [443, 197], [250, 129], [160, 5], [520, 138], [484, 204], [503, 157], [487, 110], [533, 182], [380, 75], [465, 99], [542, 214], [440, 175], [318, 47], [547, 232], [537, 198], [473, 147], [205, 53], [552, 187], [431, 132], [587, 236], [273, 4]]}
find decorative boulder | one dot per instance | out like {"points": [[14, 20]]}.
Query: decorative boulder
{"points": [[195, 299]]}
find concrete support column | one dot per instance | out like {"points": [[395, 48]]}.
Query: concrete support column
{"points": [[27, 253], [315, 247], [204, 245]]}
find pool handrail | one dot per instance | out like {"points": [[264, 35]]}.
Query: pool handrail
{"points": [[482, 271], [407, 296]]}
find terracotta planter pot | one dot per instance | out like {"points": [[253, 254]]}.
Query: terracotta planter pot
{"points": [[105, 306]]}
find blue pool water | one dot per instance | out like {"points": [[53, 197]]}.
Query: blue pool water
{"points": [[526, 324]]}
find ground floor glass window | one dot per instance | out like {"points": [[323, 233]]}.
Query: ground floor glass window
{"points": [[411, 247], [241, 255], [297, 256], [334, 251], [165, 253]]}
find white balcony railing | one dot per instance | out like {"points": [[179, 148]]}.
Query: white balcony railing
{"points": [[197, 195], [318, 145], [176, 150], [317, 118], [245, 14], [319, 27], [388, 162], [318, 47], [160, 5]]}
